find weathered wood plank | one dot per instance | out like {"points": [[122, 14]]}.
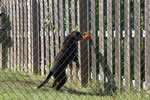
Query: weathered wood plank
{"points": [[21, 35], [47, 42], [29, 37], [67, 17], [127, 44], [52, 50], [117, 45], [56, 26], [83, 44], [78, 14], [73, 13], [109, 37], [18, 35], [42, 35], [11, 34], [137, 66], [147, 45], [61, 22], [101, 43], [35, 37], [25, 36], [93, 37], [15, 34], [8, 51]]}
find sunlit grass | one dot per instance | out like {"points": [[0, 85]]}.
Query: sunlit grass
{"points": [[22, 86]]}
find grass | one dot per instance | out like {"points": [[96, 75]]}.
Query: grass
{"points": [[21, 86]]}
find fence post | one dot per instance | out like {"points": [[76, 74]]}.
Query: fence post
{"points": [[137, 54], [127, 44], [101, 43], [147, 45], [35, 37], [93, 39], [117, 45], [42, 36], [83, 6], [25, 36]]}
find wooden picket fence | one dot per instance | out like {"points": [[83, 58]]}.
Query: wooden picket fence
{"points": [[108, 55]]}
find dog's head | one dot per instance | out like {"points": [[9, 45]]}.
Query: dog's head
{"points": [[75, 36], [79, 36]]}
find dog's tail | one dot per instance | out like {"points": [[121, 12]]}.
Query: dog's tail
{"points": [[46, 80]]}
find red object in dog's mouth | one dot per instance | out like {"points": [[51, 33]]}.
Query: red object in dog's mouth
{"points": [[87, 36]]}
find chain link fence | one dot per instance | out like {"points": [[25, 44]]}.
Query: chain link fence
{"points": [[112, 65]]}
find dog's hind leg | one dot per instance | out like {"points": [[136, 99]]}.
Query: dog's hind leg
{"points": [[55, 83], [61, 83]]}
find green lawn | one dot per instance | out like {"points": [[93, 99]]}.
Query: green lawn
{"points": [[21, 86]]}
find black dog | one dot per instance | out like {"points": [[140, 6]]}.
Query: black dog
{"points": [[67, 53]]}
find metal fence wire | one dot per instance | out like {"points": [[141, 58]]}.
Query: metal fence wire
{"points": [[114, 64]]}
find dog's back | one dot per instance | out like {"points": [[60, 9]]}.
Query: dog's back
{"points": [[66, 54]]}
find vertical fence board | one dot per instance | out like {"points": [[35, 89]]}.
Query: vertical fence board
{"points": [[31, 35], [93, 37], [147, 45], [18, 34], [61, 18], [38, 29], [29, 38], [47, 44], [137, 67], [73, 13], [117, 44], [8, 51], [42, 35], [52, 53], [11, 34], [101, 43], [78, 14], [67, 17], [21, 35], [83, 44], [127, 44], [15, 35], [35, 37], [109, 37], [56, 25], [25, 36]]}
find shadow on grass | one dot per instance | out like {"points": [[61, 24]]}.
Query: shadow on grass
{"points": [[90, 93]]}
